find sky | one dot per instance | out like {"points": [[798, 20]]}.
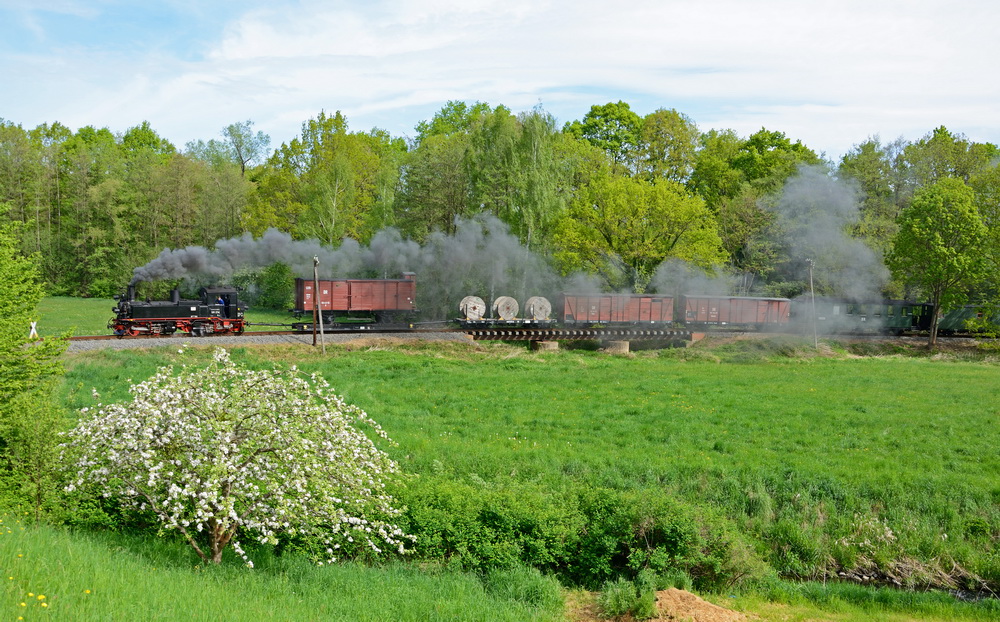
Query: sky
{"points": [[831, 74]]}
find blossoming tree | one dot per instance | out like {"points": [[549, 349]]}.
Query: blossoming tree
{"points": [[225, 452]]}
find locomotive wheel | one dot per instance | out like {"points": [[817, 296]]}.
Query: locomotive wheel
{"points": [[131, 331], [238, 329], [197, 330]]}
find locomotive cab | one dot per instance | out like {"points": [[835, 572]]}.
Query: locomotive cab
{"points": [[222, 302]]}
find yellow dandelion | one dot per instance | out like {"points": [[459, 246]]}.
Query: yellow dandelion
{"points": [[41, 597], [86, 591], [45, 604], [24, 604], [30, 594], [20, 555]]}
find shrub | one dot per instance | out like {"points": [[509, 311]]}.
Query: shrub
{"points": [[525, 584], [225, 452], [617, 597]]}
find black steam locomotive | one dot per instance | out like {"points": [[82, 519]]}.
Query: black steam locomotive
{"points": [[217, 311]]}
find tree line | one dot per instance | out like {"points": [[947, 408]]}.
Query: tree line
{"points": [[614, 194]]}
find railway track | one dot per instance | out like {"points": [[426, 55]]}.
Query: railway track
{"points": [[518, 334]]}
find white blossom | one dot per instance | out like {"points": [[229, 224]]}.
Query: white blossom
{"points": [[234, 452]]}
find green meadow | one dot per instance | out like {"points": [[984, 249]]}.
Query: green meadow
{"points": [[759, 471], [857, 484]]}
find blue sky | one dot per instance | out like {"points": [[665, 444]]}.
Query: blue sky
{"points": [[831, 74]]}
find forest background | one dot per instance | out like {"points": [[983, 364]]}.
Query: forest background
{"points": [[613, 195]]}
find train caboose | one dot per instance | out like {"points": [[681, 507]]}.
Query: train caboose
{"points": [[218, 310]]}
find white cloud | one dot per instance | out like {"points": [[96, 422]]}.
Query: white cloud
{"points": [[830, 74]]}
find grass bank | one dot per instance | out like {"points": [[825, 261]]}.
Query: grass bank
{"points": [[57, 574], [732, 467]]}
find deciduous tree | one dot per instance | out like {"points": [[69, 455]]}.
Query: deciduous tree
{"points": [[226, 454], [25, 364], [622, 228], [939, 247], [615, 129]]}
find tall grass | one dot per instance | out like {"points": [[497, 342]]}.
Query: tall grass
{"points": [[76, 576]]}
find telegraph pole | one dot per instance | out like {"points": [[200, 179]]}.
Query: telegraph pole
{"points": [[317, 311], [812, 294]]}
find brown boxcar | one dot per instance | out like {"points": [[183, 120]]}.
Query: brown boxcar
{"points": [[373, 298], [736, 311], [616, 309]]}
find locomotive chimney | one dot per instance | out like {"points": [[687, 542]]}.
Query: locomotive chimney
{"points": [[175, 296], [130, 293]]}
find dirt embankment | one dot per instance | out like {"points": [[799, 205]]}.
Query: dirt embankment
{"points": [[672, 605]]}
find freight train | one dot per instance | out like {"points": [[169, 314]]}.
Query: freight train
{"points": [[371, 303], [828, 316]]}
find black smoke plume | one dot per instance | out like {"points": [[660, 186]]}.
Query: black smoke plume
{"points": [[480, 258]]}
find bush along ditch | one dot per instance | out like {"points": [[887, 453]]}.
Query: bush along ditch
{"points": [[586, 536], [589, 536]]}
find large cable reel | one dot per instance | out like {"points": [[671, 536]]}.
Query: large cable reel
{"points": [[505, 308], [472, 307]]}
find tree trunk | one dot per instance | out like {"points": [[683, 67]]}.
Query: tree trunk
{"points": [[936, 312]]}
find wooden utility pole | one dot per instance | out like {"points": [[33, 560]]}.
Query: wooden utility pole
{"points": [[812, 293], [317, 311]]}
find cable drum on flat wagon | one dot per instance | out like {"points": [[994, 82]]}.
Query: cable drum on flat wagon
{"points": [[537, 308], [505, 308], [472, 308]]}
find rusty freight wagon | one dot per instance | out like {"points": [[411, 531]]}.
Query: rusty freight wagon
{"points": [[357, 301], [616, 309], [736, 312]]}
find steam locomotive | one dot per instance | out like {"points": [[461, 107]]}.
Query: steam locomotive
{"points": [[218, 310]]}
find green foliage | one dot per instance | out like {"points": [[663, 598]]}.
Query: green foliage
{"points": [[524, 584], [456, 117], [25, 365], [617, 597], [939, 245], [277, 287], [621, 597], [596, 468], [613, 128], [623, 228], [513, 172], [584, 535], [669, 143], [942, 154], [30, 455]]}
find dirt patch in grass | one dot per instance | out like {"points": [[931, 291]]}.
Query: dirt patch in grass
{"points": [[671, 604]]}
